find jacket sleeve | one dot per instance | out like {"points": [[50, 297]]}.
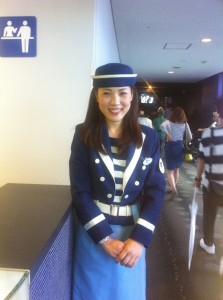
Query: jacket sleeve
{"points": [[153, 194], [88, 213]]}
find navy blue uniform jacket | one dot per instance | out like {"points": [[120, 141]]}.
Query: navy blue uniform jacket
{"points": [[92, 178]]}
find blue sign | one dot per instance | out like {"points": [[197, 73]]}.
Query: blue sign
{"points": [[17, 36]]}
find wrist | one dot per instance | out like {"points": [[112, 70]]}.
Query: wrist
{"points": [[107, 238], [197, 179]]}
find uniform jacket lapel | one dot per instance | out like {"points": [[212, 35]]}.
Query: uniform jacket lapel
{"points": [[133, 156], [107, 158], [131, 163]]}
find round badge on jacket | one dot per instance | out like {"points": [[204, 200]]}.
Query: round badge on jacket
{"points": [[161, 166]]}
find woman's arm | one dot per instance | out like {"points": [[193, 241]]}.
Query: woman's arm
{"points": [[200, 169], [154, 189], [165, 127], [89, 215]]}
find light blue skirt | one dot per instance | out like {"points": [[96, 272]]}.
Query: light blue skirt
{"points": [[96, 275]]}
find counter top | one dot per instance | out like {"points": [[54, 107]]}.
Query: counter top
{"points": [[30, 215]]}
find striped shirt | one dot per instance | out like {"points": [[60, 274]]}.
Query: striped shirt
{"points": [[177, 130], [119, 162], [214, 162]]}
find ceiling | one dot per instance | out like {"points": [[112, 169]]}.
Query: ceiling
{"points": [[158, 36]]}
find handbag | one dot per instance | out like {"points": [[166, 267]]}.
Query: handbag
{"points": [[187, 149], [188, 153], [188, 157]]}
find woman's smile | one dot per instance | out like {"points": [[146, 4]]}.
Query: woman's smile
{"points": [[115, 111]]}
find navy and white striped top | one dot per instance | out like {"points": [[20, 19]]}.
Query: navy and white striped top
{"points": [[213, 163], [119, 162]]}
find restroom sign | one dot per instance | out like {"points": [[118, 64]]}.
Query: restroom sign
{"points": [[17, 36]]}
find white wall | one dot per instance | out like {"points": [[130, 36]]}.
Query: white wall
{"points": [[43, 98], [105, 43]]}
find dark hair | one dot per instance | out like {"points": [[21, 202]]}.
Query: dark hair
{"points": [[178, 115], [93, 124], [219, 106]]}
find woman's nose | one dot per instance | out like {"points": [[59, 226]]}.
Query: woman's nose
{"points": [[115, 99]]}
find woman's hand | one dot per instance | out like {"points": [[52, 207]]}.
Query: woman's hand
{"points": [[130, 254], [197, 182], [113, 247]]}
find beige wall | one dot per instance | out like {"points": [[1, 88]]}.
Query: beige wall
{"points": [[43, 98]]}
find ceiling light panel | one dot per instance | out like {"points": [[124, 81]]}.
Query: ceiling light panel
{"points": [[177, 46]]}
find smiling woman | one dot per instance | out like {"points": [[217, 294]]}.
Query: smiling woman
{"points": [[114, 103], [118, 187]]}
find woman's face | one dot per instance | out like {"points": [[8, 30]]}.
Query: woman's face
{"points": [[114, 103], [219, 121], [215, 116]]}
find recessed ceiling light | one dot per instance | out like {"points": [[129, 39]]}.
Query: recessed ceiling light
{"points": [[206, 40], [171, 72]]}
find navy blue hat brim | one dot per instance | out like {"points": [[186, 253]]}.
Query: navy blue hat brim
{"points": [[113, 82], [114, 75]]}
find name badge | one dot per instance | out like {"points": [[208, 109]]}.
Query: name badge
{"points": [[147, 161]]}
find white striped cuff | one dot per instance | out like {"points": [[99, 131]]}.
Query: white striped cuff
{"points": [[146, 224], [94, 221]]}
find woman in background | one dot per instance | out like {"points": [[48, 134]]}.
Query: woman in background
{"points": [[118, 187], [176, 129]]}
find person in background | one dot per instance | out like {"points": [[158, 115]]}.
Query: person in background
{"points": [[156, 125], [118, 188], [215, 116], [197, 134], [175, 128], [144, 120], [210, 162], [215, 119], [168, 110]]}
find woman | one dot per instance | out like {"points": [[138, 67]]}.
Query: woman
{"points": [[176, 129], [118, 187]]}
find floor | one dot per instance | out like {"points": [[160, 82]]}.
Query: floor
{"points": [[168, 276]]}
